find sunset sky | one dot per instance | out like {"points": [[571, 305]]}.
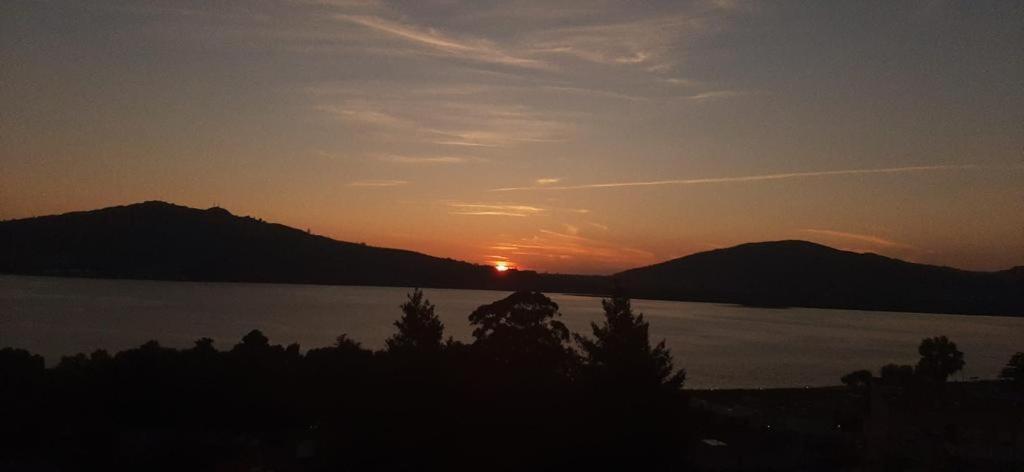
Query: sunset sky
{"points": [[583, 137]]}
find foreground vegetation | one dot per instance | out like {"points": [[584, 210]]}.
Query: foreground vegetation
{"points": [[524, 394], [518, 395]]}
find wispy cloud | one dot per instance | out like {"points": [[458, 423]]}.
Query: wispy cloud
{"points": [[748, 178], [516, 131], [493, 209], [342, 4], [876, 240], [465, 143], [644, 42], [364, 115], [465, 121], [679, 81], [377, 183], [571, 245], [426, 160], [715, 95], [326, 154], [591, 92], [548, 181], [473, 49], [487, 213]]}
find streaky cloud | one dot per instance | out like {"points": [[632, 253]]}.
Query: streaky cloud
{"points": [[646, 42], [425, 160], [487, 213], [592, 92], [367, 116], [499, 207], [554, 244], [465, 143], [377, 183], [876, 240], [479, 50], [715, 95], [748, 178]]}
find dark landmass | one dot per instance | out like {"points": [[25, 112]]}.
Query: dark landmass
{"points": [[162, 241], [976, 425], [800, 273], [157, 240]]}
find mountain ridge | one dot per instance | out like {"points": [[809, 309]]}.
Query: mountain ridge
{"points": [[164, 241], [799, 242], [802, 273]]}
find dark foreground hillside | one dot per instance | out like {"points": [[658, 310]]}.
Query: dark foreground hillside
{"points": [[968, 426]]}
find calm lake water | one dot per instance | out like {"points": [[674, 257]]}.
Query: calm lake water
{"points": [[721, 346]]}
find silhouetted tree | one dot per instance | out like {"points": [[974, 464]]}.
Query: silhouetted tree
{"points": [[940, 358], [346, 358], [419, 330], [634, 390], [896, 375], [517, 375], [19, 363], [1014, 370], [522, 330], [204, 345], [347, 345], [621, 351], [22, 402], [19, 369], [857, 379], [255, 341]]}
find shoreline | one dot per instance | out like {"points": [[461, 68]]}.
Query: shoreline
{"points": [[575, 294]]}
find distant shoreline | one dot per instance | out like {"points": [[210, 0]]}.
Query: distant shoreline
{"points": [[574, 294], [162, 241]]}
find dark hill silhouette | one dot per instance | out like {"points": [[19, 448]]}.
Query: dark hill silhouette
{"points": [[157, 240], [801, 273]]}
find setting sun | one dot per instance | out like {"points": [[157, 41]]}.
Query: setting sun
{"points": [[722, 234]]}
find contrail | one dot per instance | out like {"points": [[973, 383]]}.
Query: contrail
{"points": [[748, 178]]}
